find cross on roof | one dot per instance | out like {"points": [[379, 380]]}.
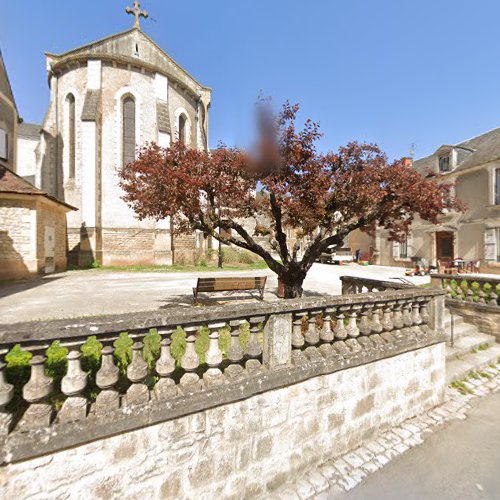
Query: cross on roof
{"points": [[137, 12]]}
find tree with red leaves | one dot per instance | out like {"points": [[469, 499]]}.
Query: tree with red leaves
{"points": [[288, 184]]}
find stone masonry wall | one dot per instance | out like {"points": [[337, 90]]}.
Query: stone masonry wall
{"points": [[17, 245], [244, 449]]}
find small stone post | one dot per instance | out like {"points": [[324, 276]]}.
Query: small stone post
{"points": [[6, 395], [278, 341], [213, 357], [107, 376], [254, 349], [312, 334], [165, 366], [72, 384], [190, 362], [36, 392], [326, 334], [137, 371]]}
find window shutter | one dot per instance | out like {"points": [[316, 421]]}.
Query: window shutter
{"points": [[409, 245], [395, 250], [490, 245]]}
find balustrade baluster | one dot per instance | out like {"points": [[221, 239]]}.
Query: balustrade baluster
{"points": [[352, 326], [213, 357], [446, 284], [469, 296], [107, 376], [376, 324], [364, 323], [387, 323], [137, 371], [6, 395], [165, 366], [72, 385], [312, 334], [493, 298], [416, 320], [481, 294], [326, 334], [235, 352], [36, 392], [424, 316], [340, 329], [254, 349], [190, 362], [297, 336]]}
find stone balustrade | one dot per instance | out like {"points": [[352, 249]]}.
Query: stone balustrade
{"points": [[89, 379], [469, 288], [356, 284]]}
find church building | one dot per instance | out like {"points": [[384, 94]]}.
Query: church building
{"points": [[107, 99]]}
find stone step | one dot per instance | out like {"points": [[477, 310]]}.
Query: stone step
{"points": [[469, 343], [457, 320], [458, 369], [461, 330]]}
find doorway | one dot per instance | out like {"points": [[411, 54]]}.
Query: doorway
{"points": [[50, 249], [445, 246]]}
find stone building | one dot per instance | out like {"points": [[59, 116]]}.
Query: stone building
{"points": [[32, 223], [107, 99], [473, 166], [8, 120]]}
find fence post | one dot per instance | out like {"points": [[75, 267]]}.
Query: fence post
{"points": [[278, 341]]}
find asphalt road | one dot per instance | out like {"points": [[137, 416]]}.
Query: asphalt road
{"points": [[459, 462]]}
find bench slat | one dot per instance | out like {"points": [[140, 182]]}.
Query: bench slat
{"points": [[226, 284]]}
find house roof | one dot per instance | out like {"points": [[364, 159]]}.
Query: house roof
{"points": [[29, 130], [478, 150], [12, 183]]}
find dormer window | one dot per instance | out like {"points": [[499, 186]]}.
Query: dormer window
{"points": [[444, 163], [4, 144]]}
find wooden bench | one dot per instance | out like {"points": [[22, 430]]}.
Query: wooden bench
{"points": [[230, 284]]}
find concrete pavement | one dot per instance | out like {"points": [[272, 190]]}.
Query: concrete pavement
{"points": [[461, 461], [97, 292]]}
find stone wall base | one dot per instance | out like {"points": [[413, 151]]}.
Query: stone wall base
{"points": [[485, 317], [246, 448]]}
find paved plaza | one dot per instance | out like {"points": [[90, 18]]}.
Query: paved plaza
{"points": [[98, 292]]}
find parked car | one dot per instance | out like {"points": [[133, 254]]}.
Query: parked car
{"points": [[332, 255]]}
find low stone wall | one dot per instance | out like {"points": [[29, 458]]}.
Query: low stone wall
{"points": [[485, 317], [247, 448]]}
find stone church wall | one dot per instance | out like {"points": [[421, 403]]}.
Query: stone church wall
{"points": [[51, 216]]}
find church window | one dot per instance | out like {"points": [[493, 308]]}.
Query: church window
{"points": [[182, 128], [129, 141], [70, 100]]}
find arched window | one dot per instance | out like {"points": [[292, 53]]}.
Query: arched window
{"points": [[182, 128], [129, 142], [70, 100]]}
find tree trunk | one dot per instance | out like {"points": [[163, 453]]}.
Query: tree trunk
{"points": [[290, 286]]}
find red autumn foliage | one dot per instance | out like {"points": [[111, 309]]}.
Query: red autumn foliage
{"points": [[289, 183]]}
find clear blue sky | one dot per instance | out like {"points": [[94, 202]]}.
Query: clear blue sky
{"points": [[394, 72]]}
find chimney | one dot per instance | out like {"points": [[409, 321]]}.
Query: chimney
{"points": [[407, 161]]}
